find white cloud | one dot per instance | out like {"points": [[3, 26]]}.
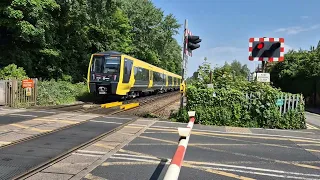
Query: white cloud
{"points": [[304, 17], [297, 29]]}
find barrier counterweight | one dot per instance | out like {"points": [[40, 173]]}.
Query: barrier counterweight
{"points": [[177, 160]]}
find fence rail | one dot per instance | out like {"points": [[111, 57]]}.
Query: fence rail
{"points": [[12, 94], [286, 101]]}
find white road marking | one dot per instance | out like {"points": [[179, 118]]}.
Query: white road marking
{"points": [[107, 122], [253, 134], [27, 115], [258, 173], [139, 156], [45, 112], [251, 168], [135, 159], [90, 155]]}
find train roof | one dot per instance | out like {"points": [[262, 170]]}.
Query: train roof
{"points": [[110, 53]]}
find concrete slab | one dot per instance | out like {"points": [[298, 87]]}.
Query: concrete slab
{"points": [[102, 146], [116, 137], [50, 176], [71, 165], [130, 129], [13, 136]]}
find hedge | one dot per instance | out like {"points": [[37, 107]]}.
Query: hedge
{"points": [[230, 107], [59, 92]]}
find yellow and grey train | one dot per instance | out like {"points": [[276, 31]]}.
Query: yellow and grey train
{"points": [[112, 73]]}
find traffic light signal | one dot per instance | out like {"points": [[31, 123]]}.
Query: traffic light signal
{"points": [[266, 49], [193, 42]]}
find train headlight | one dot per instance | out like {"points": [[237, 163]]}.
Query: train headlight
{"points": [[102, 90]]}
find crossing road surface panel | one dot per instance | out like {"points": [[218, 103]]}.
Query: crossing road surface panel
{"points": [[144, 148], [21, 157]]}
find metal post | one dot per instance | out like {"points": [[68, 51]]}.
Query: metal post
{"points": [[183, 58], [263, 66]]}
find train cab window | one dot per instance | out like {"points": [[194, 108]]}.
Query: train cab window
{"points": [[127, 70], [111, 65], [97, 64]]}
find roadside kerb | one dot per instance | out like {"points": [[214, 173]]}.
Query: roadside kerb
{"points": [[176, 162]]}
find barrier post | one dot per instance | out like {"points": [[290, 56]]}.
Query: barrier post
{"points": [[177, 160]]}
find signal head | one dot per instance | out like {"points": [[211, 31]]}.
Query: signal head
{"points": [[271, 49], [193, 42]]}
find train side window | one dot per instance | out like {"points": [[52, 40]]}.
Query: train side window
{"points": [[127, 70]]}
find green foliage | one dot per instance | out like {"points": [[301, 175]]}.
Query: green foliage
{"points": [[227, 103], [12, 72], [230, 107], [59, 92], [298, 73], [52, 38], [180, 116]]}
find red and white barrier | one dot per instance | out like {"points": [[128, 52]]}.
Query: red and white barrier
{"points": [[176, 162]]}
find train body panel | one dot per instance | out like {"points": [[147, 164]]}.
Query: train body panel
{"points": [[113, 73]]}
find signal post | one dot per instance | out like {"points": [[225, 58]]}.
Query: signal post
{"points": [[190, 43]]}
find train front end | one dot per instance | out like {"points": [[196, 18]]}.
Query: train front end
{"points": [[104, 73]]}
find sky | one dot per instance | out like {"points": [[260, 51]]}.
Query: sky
{"points": [[225, 26]]}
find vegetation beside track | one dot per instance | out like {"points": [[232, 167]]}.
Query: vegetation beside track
{"points": [[227, 105], [50, 92], [60, 92]]}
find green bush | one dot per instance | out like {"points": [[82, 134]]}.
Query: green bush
{"points": [[59, 92], [12, 71], [230, 107]]}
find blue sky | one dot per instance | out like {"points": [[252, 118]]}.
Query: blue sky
{"points": [[225, 26]]}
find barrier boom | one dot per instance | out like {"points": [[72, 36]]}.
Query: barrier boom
{"points": [[176, 162]]}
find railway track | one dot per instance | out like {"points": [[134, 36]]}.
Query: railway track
{"points": [[144, 102], [95, 108]]}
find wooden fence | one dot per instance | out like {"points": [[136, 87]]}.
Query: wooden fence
{"points": [[12, 94], [285, 102]]}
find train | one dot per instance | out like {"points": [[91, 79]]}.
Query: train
{"points": [[115, 74]]}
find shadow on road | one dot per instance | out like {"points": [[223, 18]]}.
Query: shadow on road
{"points": [[158, 170], [313, 110]]}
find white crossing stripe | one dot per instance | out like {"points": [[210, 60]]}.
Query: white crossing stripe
{"points": [[107, 122], [26, 115]]}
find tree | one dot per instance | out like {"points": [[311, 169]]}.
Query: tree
{"points": [[238, 69], [299, 73], [55, 38]]}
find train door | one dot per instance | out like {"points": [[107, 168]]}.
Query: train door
{"points": [[127, 68]]}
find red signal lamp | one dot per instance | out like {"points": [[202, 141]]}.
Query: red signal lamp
{"points": [[260, 45]]}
